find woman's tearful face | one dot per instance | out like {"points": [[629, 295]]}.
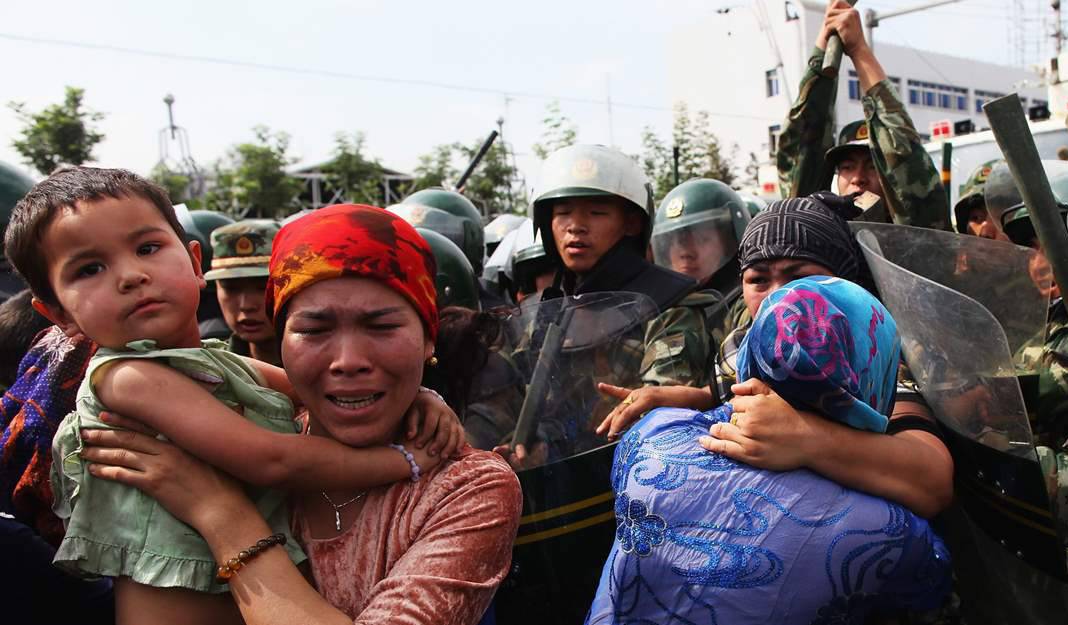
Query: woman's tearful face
{"points": [[354, 350]]}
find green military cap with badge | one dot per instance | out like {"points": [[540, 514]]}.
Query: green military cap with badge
{"points": [[242, 249], [854, 136], [971, 194]]}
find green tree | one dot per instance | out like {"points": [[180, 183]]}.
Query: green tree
{"points": [[700, 152], [491, 186], [350, 170], [60, 134], [176, 184], [558, 131], [435, 169], [251, 181]]}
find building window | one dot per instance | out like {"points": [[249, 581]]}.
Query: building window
{"points": [[773, 139], [854, 86], [937, 95], [771, 82]]}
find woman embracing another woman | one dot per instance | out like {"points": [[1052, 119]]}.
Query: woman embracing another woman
{"points": [[351, 292]]}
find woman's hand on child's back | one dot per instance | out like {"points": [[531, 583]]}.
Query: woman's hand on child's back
{"points": [[432, 426], [765, 431], [193, 491]]}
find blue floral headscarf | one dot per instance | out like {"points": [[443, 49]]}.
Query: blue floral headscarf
{"points": [[826, 344]]}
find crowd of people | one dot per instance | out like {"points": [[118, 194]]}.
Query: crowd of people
{"points": [[326, 419]]}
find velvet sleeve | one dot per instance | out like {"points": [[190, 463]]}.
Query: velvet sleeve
{"points": [[464, 525]]}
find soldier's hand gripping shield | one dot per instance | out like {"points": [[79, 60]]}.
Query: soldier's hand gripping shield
{"points": [[567, 346], [969, 314]]}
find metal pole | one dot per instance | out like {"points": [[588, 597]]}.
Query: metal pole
{"points": [[1009, 124], [832, 55], [873, 18], [675, 160], [475, 161]]}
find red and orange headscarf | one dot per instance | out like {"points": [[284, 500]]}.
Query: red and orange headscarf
{"points": [[353, 240]]}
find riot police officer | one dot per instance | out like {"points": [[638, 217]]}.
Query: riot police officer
{"points": [[198, 226], [13, 185], [881, 154], [458, 220], [696, 232], [970, 211], [1011, 215], [454, 281], [594, 210]]}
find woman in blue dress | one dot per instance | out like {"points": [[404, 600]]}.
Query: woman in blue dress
{"points": [[702, 538]]}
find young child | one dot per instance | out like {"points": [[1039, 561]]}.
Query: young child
{"points": [[701, 538], [104, 255]]}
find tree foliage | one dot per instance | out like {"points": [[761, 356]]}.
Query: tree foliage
{"points": [[491, 186], [700, 152], [435, 169], [176, 185], [251, 181], [60, 134], [558, 131], [358, 176]]}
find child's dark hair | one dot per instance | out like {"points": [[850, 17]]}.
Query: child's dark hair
{"points": [[465, 339], [19, 325], [65, 188]]}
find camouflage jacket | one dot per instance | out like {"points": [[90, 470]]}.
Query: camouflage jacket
{"points": [[1051, 416], [677, 349], [913, 190]]}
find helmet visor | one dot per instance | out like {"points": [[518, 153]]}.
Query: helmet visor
{"points": [[697, 247]]}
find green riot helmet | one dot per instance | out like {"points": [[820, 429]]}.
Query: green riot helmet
{"points": [[13, 186], [590, 171], [1006, 206], [528, 263], [204, 223], [472, 241], [971, 194], [497, 229], [753, 203], [455, 281], [697, 228]]}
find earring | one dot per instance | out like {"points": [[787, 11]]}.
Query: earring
{"points": [[432, 361]]}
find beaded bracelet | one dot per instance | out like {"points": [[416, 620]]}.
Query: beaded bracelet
{"points": [[226, 571], [411, 461]]}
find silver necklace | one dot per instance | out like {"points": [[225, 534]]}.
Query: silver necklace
{"points": [[337, 509]]}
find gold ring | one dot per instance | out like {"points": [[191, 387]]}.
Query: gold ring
{"points": [[734, 419], [629, 400]]}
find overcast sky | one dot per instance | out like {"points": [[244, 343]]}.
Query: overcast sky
{"points": [[382, 67]]}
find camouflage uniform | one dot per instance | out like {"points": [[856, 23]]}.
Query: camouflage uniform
{"points": [[1051, 414], [912, 186]]}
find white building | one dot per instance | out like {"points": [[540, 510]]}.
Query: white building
{"points": [[743, 66]]}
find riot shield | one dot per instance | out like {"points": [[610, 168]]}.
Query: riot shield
{"points": [[968, 311], [566, 347]]}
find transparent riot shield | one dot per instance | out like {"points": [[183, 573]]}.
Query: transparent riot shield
{"points": [[563, 349], [968, 311]]}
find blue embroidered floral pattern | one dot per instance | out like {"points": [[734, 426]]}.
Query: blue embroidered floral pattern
{"points": [[702, 539], [636, 529]]}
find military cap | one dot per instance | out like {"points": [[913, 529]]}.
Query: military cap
{"points": [[242, 249], [853, 136], [971, 194]]}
